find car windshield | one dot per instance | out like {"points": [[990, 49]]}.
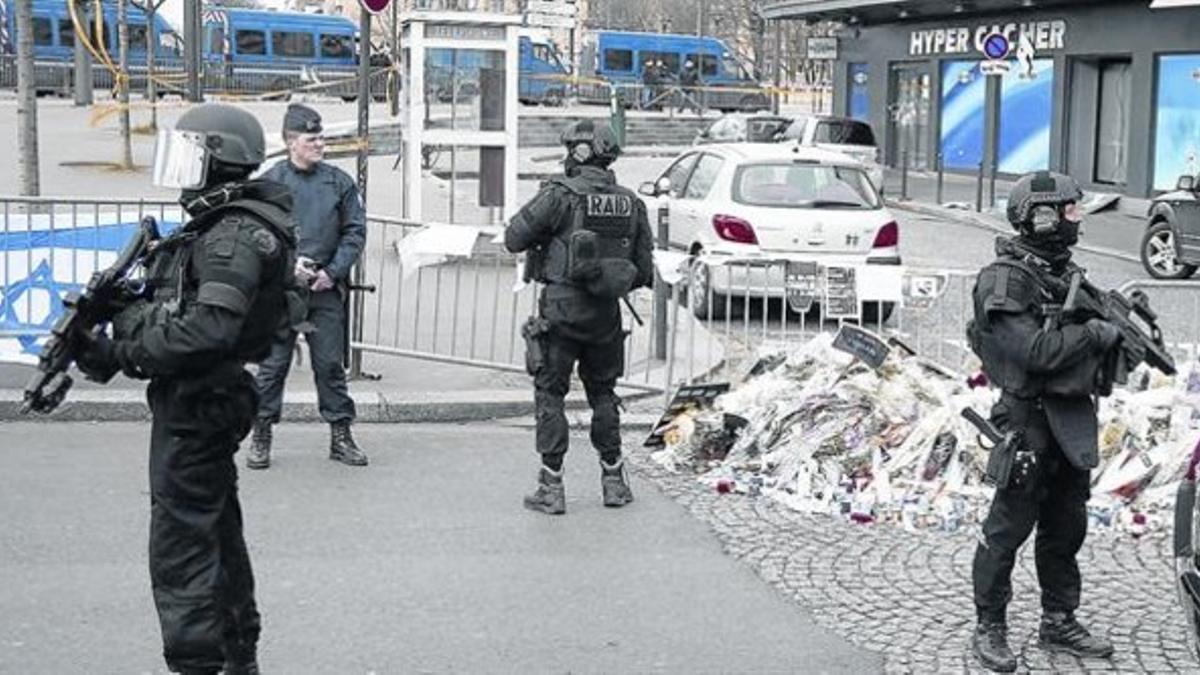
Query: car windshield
{"points": [[803, 185], [844, 132]]}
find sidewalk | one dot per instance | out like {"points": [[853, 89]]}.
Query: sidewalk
{"points": [[1115, 232]]}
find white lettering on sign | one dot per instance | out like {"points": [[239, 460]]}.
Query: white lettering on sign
{"points": [[609, 206], [1043, 35]]}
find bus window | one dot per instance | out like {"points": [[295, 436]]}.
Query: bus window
{"points": [[618, 59], [43, 34], [670, 60], [137, 36], [733, 70], [251, 42], [66, 33], [216, 40], [707, 63], [336, 46], [291, 44]]}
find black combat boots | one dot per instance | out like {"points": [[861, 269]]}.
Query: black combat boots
{"points": [[549, 497], [990, 644], [260, 446], [342, 447], [613, 484], [1060, 632]]}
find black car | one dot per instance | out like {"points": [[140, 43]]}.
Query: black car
{"points": [[1171, 246]]}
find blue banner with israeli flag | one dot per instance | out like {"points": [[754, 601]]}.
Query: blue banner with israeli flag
{"points": [[44, 256]]}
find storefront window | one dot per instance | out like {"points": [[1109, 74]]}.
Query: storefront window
{"points": [[1026, 113], [1177, 140], [860, 101], [1026, 104], [963, 94]]}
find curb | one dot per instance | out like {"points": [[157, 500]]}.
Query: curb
{"points": [[987, 223], [125, 405]]}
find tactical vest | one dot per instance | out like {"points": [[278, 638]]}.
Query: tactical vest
{"points": [[174, 287], [595, 252], [1080, 379]]}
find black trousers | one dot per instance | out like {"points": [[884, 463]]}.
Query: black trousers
{"points": [[600, 364], [200, 570], [325, 345], [1055, 502]]}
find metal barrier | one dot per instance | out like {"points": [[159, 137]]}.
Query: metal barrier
{"points": [[748, 304], [49, 247], [461, 309], [1177, 304], [467, 308]]}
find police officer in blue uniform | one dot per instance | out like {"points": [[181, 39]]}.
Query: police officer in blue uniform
{"points": [[331, 225], [588, 240], [219, 296], [1046, 369]]}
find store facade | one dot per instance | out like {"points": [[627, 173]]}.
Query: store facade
{"points": [[1108, 92]]}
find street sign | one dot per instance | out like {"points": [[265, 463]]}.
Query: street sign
{"points": [[550, 21], [552, 8], [822, 48], [374, 6]]}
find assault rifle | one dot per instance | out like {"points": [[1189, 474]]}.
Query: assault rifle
{"points": [[107, 292], [1085, 301]]}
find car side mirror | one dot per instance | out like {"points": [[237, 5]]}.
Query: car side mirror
{"points": [[1186, 183], [647, 189]]}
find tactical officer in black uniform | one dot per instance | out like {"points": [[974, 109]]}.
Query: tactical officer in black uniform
{"points": [[218, 297], [1046, 369], [331, 231], [588, 239]]}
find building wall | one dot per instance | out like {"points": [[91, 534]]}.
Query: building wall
{"points": [[1163, 126]]}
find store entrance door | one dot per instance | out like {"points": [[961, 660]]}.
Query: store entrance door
{"points": [[1112, 126], [909, 97]]}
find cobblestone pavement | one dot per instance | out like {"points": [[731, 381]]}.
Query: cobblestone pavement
{"points": [[907, 595]]}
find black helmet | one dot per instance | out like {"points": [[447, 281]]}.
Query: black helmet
{"points": [[232, 135], [591, 143], [1035, 204]]}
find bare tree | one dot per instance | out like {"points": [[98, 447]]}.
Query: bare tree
{"points": [[122, 82], [27, 128], [150, 7]]}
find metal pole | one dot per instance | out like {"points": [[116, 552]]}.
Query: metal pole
{"points": [[151, 47], [192, 29], [83, 63], [941, 176], [354, 327], [904, 175], [979, 190], [778, 66], [660, 289]]}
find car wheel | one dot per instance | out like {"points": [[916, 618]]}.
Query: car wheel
{"points": [[876, 313], [705, 303], [1158, 253]]}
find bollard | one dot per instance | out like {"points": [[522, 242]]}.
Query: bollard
{"points": [[904, 175], [992, 187], [617, 116], [979, 190], [660, 288], [941, 176]]}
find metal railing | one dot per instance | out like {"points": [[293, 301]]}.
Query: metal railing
{"points": [[467, 307]]}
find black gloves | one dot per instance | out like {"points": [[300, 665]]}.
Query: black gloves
{"points": [[96, 357], [1103, 334]]}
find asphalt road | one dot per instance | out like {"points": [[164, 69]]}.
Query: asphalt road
{"points": [[422, 562]]}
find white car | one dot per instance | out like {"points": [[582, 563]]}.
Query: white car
{"points": [[770, 202], [842, 134]]}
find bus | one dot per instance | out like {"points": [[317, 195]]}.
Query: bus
{"points": [[618, 58], [54, 43], [264, 51]]}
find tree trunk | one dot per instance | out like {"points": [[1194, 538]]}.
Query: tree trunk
{"points": [[122, 82], [27, 133]]}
